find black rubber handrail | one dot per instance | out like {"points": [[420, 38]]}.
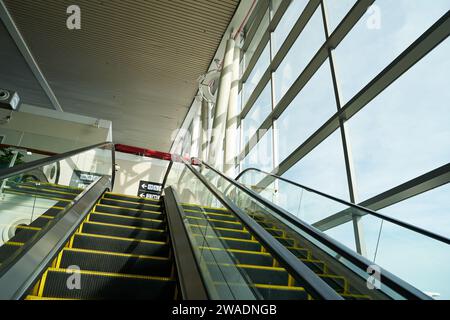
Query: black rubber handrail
{"points": [[25, 167], [315, 286], [398, 285], [402, 224]]}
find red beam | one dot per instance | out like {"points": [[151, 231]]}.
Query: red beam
{"points": [[143, 152]]}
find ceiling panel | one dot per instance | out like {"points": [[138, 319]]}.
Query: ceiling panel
{"points": [[133, 62]]}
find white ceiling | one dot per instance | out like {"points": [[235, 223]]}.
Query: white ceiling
{"points": [[134, 62]]}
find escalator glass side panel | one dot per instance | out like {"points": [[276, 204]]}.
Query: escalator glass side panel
{"points": [[32, 200], [233, 264], [347, 281], [388, 245]]}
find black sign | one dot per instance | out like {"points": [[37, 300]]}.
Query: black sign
{"points": [[82, 179], [149, 190]]}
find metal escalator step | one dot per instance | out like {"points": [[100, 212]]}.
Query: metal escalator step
{"points": [[41, 222], [40, 193], [24, 234], [256, 274], [53, 212], [338, 283], [230, 243], [286, 241], [214, 222], [221, 232], [124, 231], [194, 207], [129, 212], [8, 249], [240, 256], [100, 286], [130, 205], [299, 252], [282, 292], [108, 195], [211, 215], [121, 245], [116, 263], [127, 221]]}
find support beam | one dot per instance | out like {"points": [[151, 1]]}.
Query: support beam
{"points": [[422, 184], [220, 115], [27, 55]]}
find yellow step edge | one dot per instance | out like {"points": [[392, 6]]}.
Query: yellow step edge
{"points": [[252, 266], [116, 254], [266, 254], [118, 238], [214, 220], [129, 209], [205, 207], [37, 196], [48, 190], [322, 275], [277, 287], [110, 274], [131, 197], [211, 213], [125, 201], [125, 217], [31, 298], [14, 244], [61, 186], [122, 226], [46, 217], [28, 228], [220, 228], [226, 238]]}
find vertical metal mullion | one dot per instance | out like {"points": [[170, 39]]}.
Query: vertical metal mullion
{"points": [[357, 223], [275, 136]]}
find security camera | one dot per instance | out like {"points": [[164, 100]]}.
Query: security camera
{"points": [[9, 99]]}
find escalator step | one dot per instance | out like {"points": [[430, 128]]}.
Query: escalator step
{"points": [[239, 256], [299, 252], [214, 223], [130, 205], [231, 243], [207, 209], [124, 232], [24, 234], [222, 232], [108, 195], [335, 282], [216, 216], [42, 193], [129, 212], [97, 242], [116, 263], [282, 293], [256, 274], [127, 221], [8, 249], [96, 285], [53, 212], [41, 222]]}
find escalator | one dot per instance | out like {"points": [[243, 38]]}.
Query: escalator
{"points": [[209, 237]]}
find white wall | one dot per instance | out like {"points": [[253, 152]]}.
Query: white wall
{"points": [[133, 169]]}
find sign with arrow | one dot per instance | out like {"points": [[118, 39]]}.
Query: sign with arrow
{"points": [[149, 190]]}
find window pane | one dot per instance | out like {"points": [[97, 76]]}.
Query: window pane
{"points": [[261, 156], [260, 67], [379, 37], [257, 38], [323, 169], [301, 53], [313, 106], [430, 210], [336, 11], [286, 23], [405, 131], [257, 114]]}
